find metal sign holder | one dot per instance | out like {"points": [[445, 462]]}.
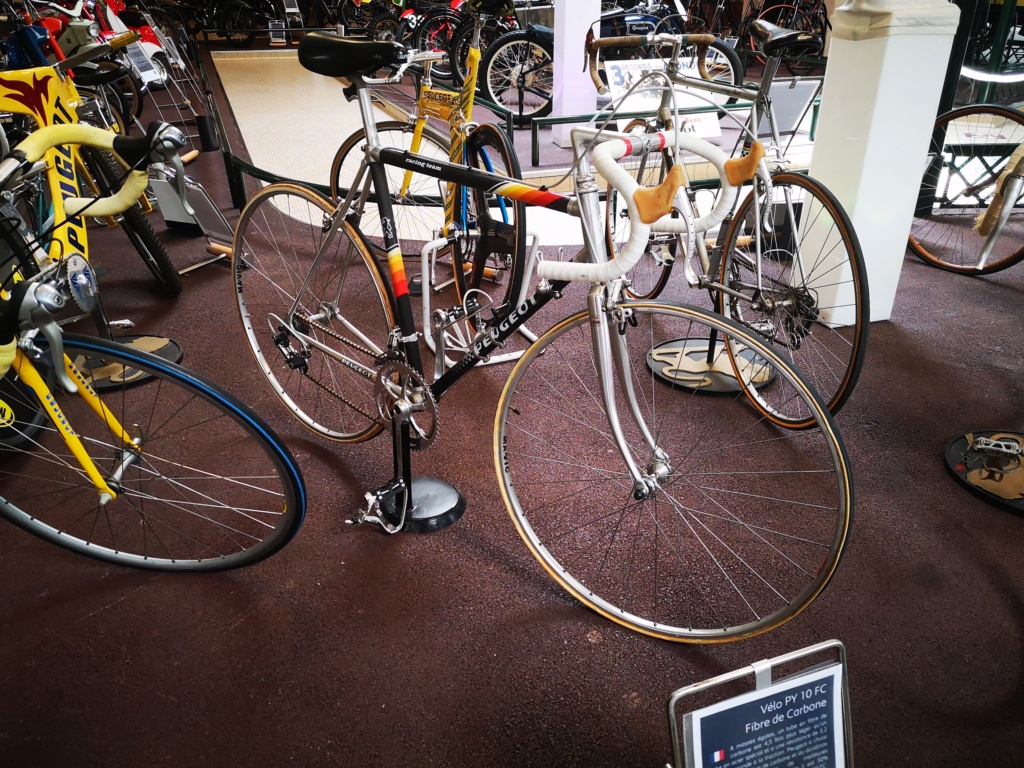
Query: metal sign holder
{"points": [[762, 674]]}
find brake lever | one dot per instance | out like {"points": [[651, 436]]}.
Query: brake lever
{"points": [[166, 143], [179, 184], [38, 310]]}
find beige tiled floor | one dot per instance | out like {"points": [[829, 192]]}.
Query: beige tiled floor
{"points": [[292, 120]]}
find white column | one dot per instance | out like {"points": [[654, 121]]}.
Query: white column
{"points": [[886, 65], [574, 93]]}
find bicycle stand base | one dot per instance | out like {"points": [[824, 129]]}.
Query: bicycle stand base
{"points": [[705, 367], [435, 505]]}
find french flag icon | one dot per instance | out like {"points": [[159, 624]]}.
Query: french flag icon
{"points": [[718, 756]]}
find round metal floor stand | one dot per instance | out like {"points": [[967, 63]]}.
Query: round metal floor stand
{"points": [[435, 505]]}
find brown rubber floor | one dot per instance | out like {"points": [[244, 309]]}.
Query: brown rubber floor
{"points": [[352, 648]]}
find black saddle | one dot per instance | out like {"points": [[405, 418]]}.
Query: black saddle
{"points": [[327, 54], [543, 33], [775, 39], [94, 77]]}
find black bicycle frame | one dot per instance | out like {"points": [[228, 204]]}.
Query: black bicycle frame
{"points": [[475, 179]]}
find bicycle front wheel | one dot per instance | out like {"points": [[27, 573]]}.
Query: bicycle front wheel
{"points": [[747, 521], [969, 151], [316, 311], [206, 485], [417, 201], [107, 174], [810, 295]]}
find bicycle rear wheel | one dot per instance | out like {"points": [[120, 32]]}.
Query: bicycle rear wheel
{"points": [[317, 322], [489, 257], [969, 150], [208, 485], [748, 521], [811, 300]]}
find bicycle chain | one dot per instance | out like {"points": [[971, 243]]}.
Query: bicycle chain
{"points": [[328, 388], [310, 322]]}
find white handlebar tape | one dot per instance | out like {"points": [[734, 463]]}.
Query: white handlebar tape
{"points": [[133, 188], [605, 158]]}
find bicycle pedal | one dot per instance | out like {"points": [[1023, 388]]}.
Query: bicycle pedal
{"points": [[123, 325]]}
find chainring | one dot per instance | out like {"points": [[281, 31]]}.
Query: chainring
{"points": [[400, 389]]}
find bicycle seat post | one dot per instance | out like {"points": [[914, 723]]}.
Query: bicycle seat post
{"points": [[771, 68]]}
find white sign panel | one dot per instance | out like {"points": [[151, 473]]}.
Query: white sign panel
{"points": [[623, 75], [795, 722]]}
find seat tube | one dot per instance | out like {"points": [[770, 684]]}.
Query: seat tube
{"points": [[396, 267]]}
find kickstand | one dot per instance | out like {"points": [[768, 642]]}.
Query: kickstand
{"points": [[428, 505]]}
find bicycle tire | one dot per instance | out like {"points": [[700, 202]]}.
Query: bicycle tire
{"points": [[462, 39], [341, 301], [815, 310], [237, 23], [162, 65], [516, 72], [418, 214], [102, 110], [234, 493], [355, 17], [384, 29], [174, 27], [942, 233], [434, 33], [490, 258], [813, 22], [781, 15], [107, 173], [128, 91], [749, 521]]}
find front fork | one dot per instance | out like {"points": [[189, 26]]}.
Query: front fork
{"points": [[127, 456], [610, 350]]}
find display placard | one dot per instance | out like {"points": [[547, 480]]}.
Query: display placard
{"points": [[623, 75], [791, 98], [277, 35], [796, 722], [139, 59]]}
